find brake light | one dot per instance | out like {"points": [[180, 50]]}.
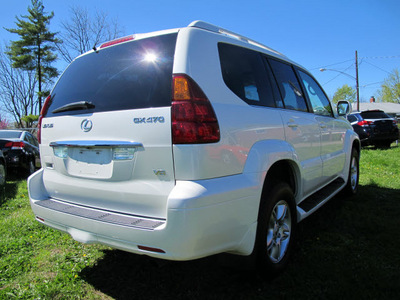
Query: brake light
{"points": [[117, 41], [43, 113], [365, 123], [15, 145], [193, 118]]}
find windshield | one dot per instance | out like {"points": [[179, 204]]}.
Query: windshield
{"points": [[132, 75]]}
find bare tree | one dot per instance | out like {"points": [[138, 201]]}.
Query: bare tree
{"points": [[17, 90], [82, 32]]}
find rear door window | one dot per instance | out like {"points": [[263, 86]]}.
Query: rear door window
{"points": [[352, 118], [132, 75], [288, 84]]}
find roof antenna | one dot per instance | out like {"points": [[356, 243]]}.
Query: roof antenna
{"points": [[95, 49]]}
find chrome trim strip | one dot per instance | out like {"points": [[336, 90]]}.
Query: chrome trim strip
{"points": [[98, 144]]}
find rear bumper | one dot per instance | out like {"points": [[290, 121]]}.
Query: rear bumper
{"points": [[368, 137], [203, 218]]}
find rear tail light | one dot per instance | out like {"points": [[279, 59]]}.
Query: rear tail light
{"points": [[365, 123], [43, 113], [15, 145], [193, 118]]}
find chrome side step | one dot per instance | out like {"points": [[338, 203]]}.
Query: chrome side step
{"points": [[101, 215], [316, 200]]}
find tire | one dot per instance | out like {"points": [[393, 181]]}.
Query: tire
{"points": [[276, 231], [3, 176], [31, 168], [351, 187]]}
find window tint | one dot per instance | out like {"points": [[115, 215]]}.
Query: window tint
{"points": [[245, 74], [319, 102], [352, 118], [132, 75], [288, 85]]}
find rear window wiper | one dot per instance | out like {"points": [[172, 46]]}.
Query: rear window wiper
{"points": [[74, 106]]}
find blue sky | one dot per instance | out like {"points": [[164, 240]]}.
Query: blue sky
{"points": [[315, 33]]}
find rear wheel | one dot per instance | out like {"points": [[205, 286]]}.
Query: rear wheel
{"points": [[3, 175], [276, 229], [31, 167]]}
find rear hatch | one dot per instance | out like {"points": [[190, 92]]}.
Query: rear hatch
{"points": [[106, 128], [381, 123]]}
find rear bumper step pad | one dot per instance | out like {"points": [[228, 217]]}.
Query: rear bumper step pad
{"points": [[101, 215]]}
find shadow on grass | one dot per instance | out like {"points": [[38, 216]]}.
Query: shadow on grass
{"points": [[348, 248]]}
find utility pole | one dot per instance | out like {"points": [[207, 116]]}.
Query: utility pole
{"points": [[357, 86]]}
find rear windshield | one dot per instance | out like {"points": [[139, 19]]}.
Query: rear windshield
{"points": [[10, 134], [374, 115], [132, 75]]}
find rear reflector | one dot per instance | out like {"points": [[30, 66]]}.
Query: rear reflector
{"points": [[151, 249], [193, 118]]}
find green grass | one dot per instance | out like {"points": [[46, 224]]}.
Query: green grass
{"points": [[349, 249]]}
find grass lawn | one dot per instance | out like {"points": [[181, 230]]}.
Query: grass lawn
{"points": [[349, 249]]}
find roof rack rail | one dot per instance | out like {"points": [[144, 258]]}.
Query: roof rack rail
{"points": [[216, 29]]}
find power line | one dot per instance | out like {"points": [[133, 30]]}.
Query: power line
{"points": [[382, 57], [324, 67], [377, 67]]}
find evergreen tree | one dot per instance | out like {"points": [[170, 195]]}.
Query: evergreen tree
{"points": [[35, 49]]}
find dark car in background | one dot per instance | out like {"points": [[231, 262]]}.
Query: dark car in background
{"points": [[21, 151], [374, 127]]}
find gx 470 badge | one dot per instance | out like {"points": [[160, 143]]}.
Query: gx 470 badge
{"points": [[149, 120]]}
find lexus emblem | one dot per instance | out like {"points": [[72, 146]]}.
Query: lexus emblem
{"points": [[86, 125]]}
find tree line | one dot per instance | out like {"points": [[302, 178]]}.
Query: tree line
{"points": [[27, 70]]}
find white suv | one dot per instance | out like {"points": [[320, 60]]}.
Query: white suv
{"points": [[189, 142]]}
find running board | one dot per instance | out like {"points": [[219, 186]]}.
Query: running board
{"points": [[101, 215], [323, 194]]}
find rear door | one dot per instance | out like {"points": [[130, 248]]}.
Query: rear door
{"points": [[106, 137], [302, 130]]}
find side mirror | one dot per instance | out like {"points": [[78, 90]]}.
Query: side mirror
{"points": [[343, 108]]}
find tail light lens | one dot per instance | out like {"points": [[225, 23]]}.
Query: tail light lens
{"points": [[43, 113], [15, 145], [193, 118], [365, 123]]}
